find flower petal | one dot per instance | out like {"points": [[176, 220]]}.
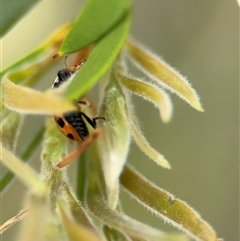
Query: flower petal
{"points": [[26, 100], [151, 93], [162, 73]]}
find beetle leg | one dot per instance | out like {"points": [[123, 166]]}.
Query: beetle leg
{"points": [[74, 154], [92, 121], [97, 118]]}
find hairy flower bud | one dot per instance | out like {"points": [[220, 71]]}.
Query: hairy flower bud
{"points": [[114, 144]]}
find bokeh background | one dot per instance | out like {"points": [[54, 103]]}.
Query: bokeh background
{"points": [[201, 40]]}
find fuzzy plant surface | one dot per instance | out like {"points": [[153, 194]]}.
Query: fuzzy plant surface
{"points": [[91, 211]]}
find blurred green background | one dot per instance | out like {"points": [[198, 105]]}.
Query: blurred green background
{"points": [[201, 40]]}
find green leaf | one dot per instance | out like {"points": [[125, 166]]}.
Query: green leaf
{"points": [[96, 20], [39, 59], [166, 206], [12, 11], [100, 59], [81, 185]]}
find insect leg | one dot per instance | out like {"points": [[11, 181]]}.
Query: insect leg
{"points": [[92, 121], [98, 118], [84, 145]]}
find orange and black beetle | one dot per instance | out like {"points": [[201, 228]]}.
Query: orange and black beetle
{"points": [[72, 124]]}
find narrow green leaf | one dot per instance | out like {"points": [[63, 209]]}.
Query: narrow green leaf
{"points": [[100, 59], [81, 178], [95, 180], [25, 155], [39, 58], [165, 205], [96, 19], [12, 11]]}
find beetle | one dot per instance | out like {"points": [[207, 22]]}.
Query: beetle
{"points": [[72, 124]]}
